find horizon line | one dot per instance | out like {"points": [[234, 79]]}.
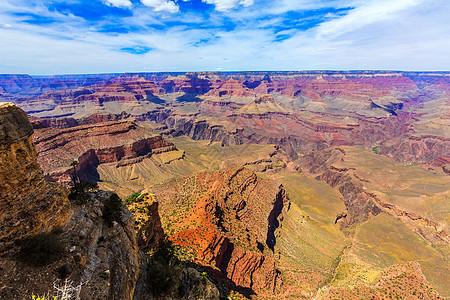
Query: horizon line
{"points": [[235, 71]]}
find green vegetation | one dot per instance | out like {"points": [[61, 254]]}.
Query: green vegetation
{"points": [[375, 149], [112, 210], [134, 198], [163, 267], [235, 296], [42, 249], [90, 186], [279, 164], [78, 193], [79, 188]]}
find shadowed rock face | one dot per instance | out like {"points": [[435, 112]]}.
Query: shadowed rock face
{"points": [[28, 204]]}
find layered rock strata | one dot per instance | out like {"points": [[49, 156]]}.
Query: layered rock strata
{"points": [[227, 220], [120, 142], [308, 111]]}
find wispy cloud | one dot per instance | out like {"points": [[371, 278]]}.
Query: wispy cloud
{"points": [[224, 5], [137, 50], [119, 3], [367, 13]]}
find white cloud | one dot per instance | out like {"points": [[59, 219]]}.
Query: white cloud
{"points": [[118, 3], [224, 5], [246, 2], [161, 5], [282, 6], [367, 13], [6, 26]]}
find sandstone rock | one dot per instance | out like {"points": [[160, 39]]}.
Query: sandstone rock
{"points": [[231, 87], [29, 205], [263, 105], [94, 144], [227, 219], [108, 256], [189, 84], [102, 260]]}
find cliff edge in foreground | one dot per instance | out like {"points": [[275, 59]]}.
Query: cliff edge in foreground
{"points": [[28, 204]]}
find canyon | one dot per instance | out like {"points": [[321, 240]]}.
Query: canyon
{"points": [[265, 185]]}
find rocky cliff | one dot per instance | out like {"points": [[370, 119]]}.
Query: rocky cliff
{"points": [[89, 245], [100, 260], [120, 142], [98, 256], [29, 205], [227, 220]]}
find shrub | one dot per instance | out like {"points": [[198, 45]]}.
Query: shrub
{"points": [[42, 249], [78, 193], [162, 275], [135, 197], [90, 186], [112, 210], [375, 149], [132, 198], [163, 268]]}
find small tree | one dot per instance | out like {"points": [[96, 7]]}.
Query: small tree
{"points": [[74, 164], [77, 183], [112, 210]]}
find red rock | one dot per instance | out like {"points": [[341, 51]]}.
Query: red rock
{"points": [[92, 145], [231, 87], [227, 220]]}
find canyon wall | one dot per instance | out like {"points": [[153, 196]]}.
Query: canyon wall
{"points": [[102, 259], [121, 142], [227, 219]]}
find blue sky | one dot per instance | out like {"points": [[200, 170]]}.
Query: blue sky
{"points": [[100, 36]]}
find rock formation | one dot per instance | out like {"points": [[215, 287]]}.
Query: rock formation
{"points": [[319, 109], [102, 259], [29, 204], [231, 87], [99, 252], [362, 204], [119, 142], [227, 220], [400, 281]]}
